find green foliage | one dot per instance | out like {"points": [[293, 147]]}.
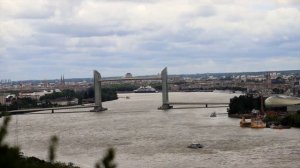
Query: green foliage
{"points": [[107, 161], [296, 120], [235, 88], [287, 120], [156, 86], [26, 103], [19, 103], [124, 87], [216, 88], [67, 93], [108, 94], [127, 87], [52, 148], [272, 118], [3, 129], [243, 104], [9, 157]]}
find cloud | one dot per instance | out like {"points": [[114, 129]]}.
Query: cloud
{"points": [[42, 39]]}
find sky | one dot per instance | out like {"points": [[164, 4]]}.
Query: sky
{"points": [[43, 39]]}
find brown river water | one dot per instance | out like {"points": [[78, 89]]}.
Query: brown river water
{"points": [[146, 137]]}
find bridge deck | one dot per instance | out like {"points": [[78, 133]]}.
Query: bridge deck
{"points": [[196, 103], [23, 111], [129, 79]]}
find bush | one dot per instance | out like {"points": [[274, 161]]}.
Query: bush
{"points": [[288, 120], [296, 120]]}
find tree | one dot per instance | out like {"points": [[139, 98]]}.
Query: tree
{"points": [[107, 161], [243, 104]]}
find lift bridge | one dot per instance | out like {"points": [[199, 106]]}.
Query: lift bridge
{"points": [[166, 104]]}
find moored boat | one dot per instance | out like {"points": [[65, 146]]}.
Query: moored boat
{"points": [[244, 123], [257, 122], [147, 89]]}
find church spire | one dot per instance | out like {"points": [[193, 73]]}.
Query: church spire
{"points": [[62, 80]]}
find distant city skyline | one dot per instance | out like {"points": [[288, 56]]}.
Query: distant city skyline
{"points": [[193, 75], [42, 39]]}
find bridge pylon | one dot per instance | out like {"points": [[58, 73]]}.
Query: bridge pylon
{"points": [[97, 87], [165, 90]]}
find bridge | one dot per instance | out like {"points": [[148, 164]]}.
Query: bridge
{"points": [[206, 104], [166, 104], [24, 111], [97, 87]]}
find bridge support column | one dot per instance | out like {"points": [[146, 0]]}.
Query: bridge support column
{"points": [[97, 90], [165, 91]]}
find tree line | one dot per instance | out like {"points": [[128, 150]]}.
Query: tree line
{"points": [[67, 94], [244, 104]]}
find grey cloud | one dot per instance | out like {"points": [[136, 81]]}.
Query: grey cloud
{"points": [[142, 37], [82, 30], [206, 11]]}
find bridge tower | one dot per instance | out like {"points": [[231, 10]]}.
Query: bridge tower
{"points": [[165, 90], [97, 90]]}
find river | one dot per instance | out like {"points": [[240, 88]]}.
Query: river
{"points": [[146, 137]]}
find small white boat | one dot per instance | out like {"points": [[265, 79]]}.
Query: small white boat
{"points": [[147, 89]]}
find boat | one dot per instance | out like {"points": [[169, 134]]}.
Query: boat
{"points": [[256, 118], [195, 146], [256, 122], [244, 123], [143, 89], [214, 114]]}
